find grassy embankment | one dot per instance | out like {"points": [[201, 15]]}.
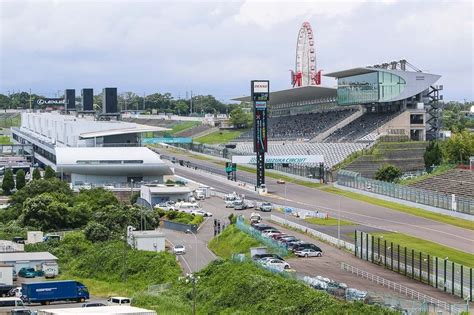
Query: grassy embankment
{"points": [[403, 208], [438, 171], [220, 136], [232, 241], [183, 126], [328, 221], [428, 247]]}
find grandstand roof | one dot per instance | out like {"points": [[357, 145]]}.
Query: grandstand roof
{"points": [[295, 94], [349, 72]]}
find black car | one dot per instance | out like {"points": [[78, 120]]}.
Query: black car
{"points": [[260, 256], [262, 227], [292, 244], [19, 240], [93, 304]]}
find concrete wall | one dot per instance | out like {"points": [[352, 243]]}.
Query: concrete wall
{"points": [[153, 244]]}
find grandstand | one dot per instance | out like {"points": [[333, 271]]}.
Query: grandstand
{"points": [[361, 127], [457, 181], [334, 153]]}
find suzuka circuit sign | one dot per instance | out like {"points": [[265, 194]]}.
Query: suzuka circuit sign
{"points": [[49, 101], [290, 159]]}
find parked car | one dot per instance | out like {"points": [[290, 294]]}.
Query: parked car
{"points": [[255, 218], [201, 212], [27, 272], [230, 203], [93, 304], [276, 263], [305, 245], [19, 240], [119, 300], [270, 233], [276, 237], [51, 237], [262, 256], [280, 181], [265, 207], [308, 252], [262, 226], [5, 289], [179, 250]]}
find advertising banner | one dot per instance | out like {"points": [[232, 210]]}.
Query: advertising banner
{"points": [[49, 101], [166, 140], [260, 130], [290, 159]]}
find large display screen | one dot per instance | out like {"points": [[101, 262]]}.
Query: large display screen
{"points": [[260, 131]]}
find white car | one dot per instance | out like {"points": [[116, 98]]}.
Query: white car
{"points": [[179, 250], [309, 252], [270, 233], [276, 263], [201, 212], [229, 204]]}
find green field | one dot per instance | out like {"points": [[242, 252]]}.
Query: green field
{"points": [[183, 126], [402, 208], [232, 241], [5, 140], [221, 136], [328, 221], [428, 247]]}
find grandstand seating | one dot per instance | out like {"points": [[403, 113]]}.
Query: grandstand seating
{"points": [[333, 153], [457, 181], [363, 126], [408, 157], [301, 126]]}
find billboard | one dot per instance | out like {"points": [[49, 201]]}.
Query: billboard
{"points": [[260, 90], [166, 140], [276, 159], [260, 131], [43, 101]]}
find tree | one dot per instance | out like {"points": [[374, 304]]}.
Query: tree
{"points": [[44, 212], [8, 182], [36, 174], [433, 155], [239, 118], [49, 173], [459, 147], [20, 179], [388, 173], [96, 232]]}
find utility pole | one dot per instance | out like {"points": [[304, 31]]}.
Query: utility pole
{"points": [[143, 100], [191, 104]]}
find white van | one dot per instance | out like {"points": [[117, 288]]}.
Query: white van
{"points": [[9, 302], [119, 300]]}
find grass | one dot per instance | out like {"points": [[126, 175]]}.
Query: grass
{"points": [[183, 126], [403, 208], [5, 140], [14, 121], [328, 221], [232, 241], [438, 171], [220, 136], [428, 247]]}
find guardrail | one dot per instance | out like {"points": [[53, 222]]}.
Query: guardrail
{"points": [[401, 289]]}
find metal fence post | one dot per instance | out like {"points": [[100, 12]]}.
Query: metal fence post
{"points": [[361, 246], [413, 264], [405, 261], [391, 255], [385, 253], [470, 283], [429, 271], [452, 278], [462, 281], [398, 257], [445, 266], [355, 242], [378, 249], [367, 246], [421, 266], [436, 271], [372, 255]]}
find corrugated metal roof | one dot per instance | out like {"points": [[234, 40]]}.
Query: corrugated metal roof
{"points": [[70, 155], [8, 257]]}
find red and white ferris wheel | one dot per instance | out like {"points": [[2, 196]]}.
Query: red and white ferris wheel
{"points": [[305, 72]]}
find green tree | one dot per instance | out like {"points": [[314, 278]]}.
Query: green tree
{"points": [[49, 173], [134, 198], [8, 182], [388, 173], [20, 179], [36, 174], [44, 212], [96, 232], [459, 147], [239, 118], [433, 155]]}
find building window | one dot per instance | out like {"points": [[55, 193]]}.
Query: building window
{"points": [[358, 89]]}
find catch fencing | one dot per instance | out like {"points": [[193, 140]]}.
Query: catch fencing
{"points": [[440, 273], [417, 195]]}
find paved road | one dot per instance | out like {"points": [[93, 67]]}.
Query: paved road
{"points": [[353, 210]]}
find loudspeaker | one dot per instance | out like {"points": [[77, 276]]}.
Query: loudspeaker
{"points": [[70, 99], [87, 99], [109, 101]]}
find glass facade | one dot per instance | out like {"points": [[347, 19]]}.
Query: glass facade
{"points": [[391, 85], [378, 86]]}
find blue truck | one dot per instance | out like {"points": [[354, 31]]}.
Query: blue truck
{"points": [[50, 291]]}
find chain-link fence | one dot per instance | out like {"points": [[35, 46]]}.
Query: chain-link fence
{"points": [[421, 196], [440, 273]]}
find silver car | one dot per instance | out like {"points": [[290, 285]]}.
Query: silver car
{"points": [[308, 252]]}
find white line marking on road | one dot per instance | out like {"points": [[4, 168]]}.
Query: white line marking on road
{"points": [[181, 256]]}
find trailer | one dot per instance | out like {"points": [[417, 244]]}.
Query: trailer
{"points": [[50, 291], [126, 310]]}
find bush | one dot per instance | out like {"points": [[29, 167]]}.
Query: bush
{"points": [[20, 179], [49, 173], [388, 173], [433, 155], [8, 182], [36, 174], [96, 232]]}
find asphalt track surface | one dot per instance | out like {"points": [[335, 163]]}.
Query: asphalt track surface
{"points": [[314, 199]]}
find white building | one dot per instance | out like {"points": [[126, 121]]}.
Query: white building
{"points": [[6, 274], [153, 241], [156, 194], [85, 151], [27, 260]]}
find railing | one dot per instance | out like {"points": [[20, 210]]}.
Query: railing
{"points": [[401, 289]]}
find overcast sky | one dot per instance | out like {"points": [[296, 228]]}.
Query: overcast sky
{"points": [[218, 47]]}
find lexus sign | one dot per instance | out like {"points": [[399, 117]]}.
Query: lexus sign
{"points": [[49, 101]]}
